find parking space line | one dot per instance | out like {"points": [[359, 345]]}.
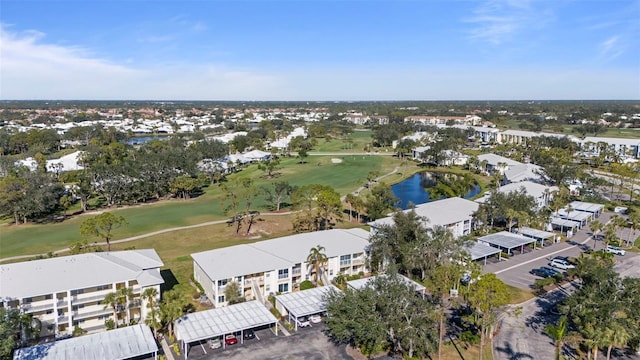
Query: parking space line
{"points": [[257, 337], [202, 346]]}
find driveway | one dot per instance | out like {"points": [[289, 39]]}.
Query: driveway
{"points": [[307, 343]]}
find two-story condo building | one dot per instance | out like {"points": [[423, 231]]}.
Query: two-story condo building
{"points": [[279, 265], [455, 214], [68, 291]]}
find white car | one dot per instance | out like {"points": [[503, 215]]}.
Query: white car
{"points": [[315, 319], [615, 250], [303, 322], [561, 264]]}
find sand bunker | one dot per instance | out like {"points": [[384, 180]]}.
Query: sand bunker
{"points": [[336, 161]]}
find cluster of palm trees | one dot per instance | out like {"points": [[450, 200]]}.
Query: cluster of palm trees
{"points": [[610, 230], [170, 309]]}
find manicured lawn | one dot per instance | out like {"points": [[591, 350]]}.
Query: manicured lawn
{"points": [[359, 140], [344, 177]]}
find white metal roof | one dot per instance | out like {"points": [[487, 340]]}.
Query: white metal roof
{"points": [[279, 253], [305, 302], [535, 233], [480, 250], [505, 239], [586, 206], [564, 222], [441, 212], [40, 277], [123, 343], [494, 160], [208, 324], [575, 215], [532, 189], [361, 283]]}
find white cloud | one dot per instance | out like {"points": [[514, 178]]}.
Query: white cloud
{"points": [[34, 69], [498, 21]]}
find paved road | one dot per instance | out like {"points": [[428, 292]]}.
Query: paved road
{"points": [[522, 337]]}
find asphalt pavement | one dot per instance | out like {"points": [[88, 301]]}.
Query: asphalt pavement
{"points": [[521, 334]]}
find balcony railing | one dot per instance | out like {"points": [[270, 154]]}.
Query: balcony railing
{"points": [[77, 315], [87, 299]]}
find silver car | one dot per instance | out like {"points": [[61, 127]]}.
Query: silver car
{"points": [[561, 264], [615, 250]]}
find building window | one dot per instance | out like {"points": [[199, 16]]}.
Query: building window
{"points": [[283, 288], [222, 283], [283, 274], [345, 260], [267, 287], [221, 299]]}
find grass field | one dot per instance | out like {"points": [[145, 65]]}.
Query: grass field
{"points": [[359, 140], [344, 177]]}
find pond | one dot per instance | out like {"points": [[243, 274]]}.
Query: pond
{"points": [[416, 189], [139, 140]]}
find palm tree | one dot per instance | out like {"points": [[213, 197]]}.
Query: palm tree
{"points": [[634, 221], [557, 333], [616, 336], [152, 319], [596, 226], [172, 308], [124, 297], [111, 300], [317, 258]]}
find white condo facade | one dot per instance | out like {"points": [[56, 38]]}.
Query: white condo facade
{"points": [[279, 265], [68, 291], [455, 214]]}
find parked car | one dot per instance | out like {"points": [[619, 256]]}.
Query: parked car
{"points": [[545, 272], [230, 339], [561, 264], [565, 258], [615, 250], [315, 319], [249, 334], [215, 343], [303, 322]]}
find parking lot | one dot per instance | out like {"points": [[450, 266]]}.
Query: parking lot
{"points": [[306, 343]]}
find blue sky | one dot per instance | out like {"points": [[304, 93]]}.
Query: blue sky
{"points": [[320, 50]]}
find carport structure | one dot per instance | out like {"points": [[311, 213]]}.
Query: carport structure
{"points": [[303, 303], [505, 240], [594, 209], [539, 235], [563, 224], [131, 342], [222, 321], [482, 250], [581, 217]]}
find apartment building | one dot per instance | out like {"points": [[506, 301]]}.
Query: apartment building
{"points": [[455, 214], [279, 265], [624, 148], [64, 292]]}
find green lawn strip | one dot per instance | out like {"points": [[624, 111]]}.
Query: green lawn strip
{"points": [[519, 295]]}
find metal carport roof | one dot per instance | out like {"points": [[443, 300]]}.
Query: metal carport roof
{"points": [[506, 240], [580, 216], [118, 344], [481, 250], [221, 321], [305, 302], [535, 233], [564, 222], [586, 206]]}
